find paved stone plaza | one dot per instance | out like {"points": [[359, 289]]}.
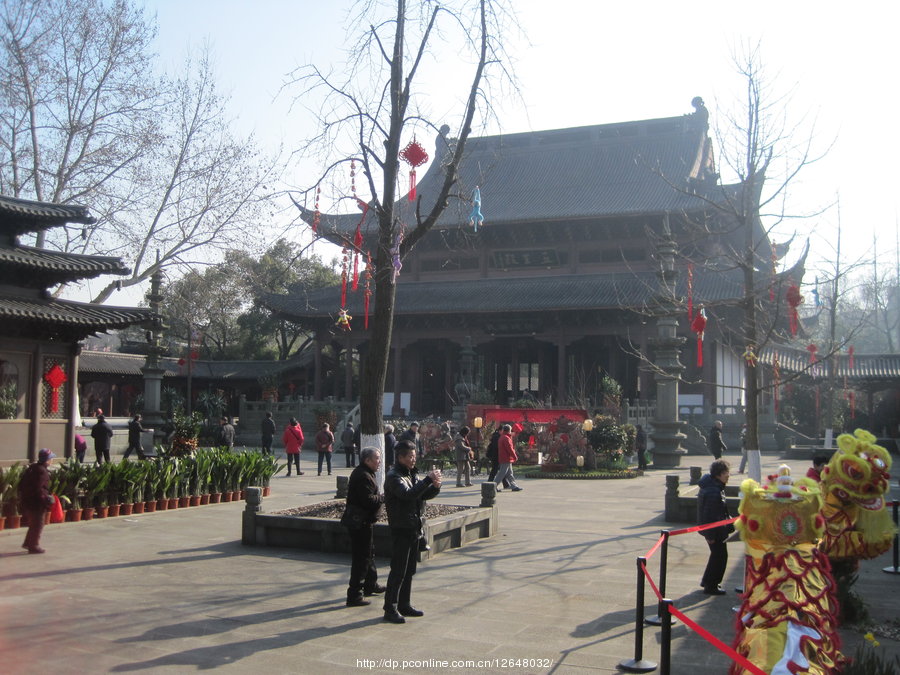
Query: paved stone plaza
{"points": [[176, 592]]}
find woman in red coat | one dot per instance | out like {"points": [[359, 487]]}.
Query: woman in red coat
{"points": [[35, 497], [293, 440], [506, 452]]}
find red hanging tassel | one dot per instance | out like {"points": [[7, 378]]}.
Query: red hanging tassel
{"points": [[698, 325], [412, 185], [851, 358], [690, 290], [794, 300]]}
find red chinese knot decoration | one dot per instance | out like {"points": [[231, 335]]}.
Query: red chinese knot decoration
{"points": [[794, 299], [55, 377], [414, 155], [698, 325]]}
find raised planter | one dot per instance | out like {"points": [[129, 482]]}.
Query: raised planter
{"points": [[328, 535]]}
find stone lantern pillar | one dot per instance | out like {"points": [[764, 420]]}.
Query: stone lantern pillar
{"points": [[667, 367]]}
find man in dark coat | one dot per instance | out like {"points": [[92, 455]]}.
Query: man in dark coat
{"points": [[268, 433], [35, 497], [360, 514], [348, 436], [716, 444], [135, 429], [102, 433], [404, 495], [640, 446], [711, 508]]}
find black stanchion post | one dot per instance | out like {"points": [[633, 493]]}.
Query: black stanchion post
{"points": [[895, 569], [638, 664], [665, 638], [663, 564]]}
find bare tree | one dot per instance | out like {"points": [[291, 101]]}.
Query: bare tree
{"points": [[85, 120], [380, 119]]}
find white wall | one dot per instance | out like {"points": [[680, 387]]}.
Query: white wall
{"points": [[729, 376]]}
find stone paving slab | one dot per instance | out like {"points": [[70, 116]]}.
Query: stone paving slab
{"points": [[176, 592]]}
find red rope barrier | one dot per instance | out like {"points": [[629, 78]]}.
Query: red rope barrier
{"points": [[655, 548], [651, 582], [716, 642], [698, 528]]}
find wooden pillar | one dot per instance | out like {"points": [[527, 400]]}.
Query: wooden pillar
{"points": [[317, 385], [561, 388], [72, 400]]}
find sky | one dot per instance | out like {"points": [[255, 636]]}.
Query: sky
{"points": [[593, 62]]}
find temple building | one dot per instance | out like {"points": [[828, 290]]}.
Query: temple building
{"points": [[40, 334], [557, 288]]}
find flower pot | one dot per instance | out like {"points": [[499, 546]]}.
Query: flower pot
{"points": [[13, 522], [150, 507], [242, 495], [195, 500], [138, 508], [226, 496], [2, 522], [184, 502], [73, 515], [267, 491], [114, 510], [173, 503], [162, 504], [47, 517], [204, 499], [215, 498], [125, 509], [101, 512], [87, 513]]}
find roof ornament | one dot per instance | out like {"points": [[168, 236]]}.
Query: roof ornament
{"points": [[702, 114]]}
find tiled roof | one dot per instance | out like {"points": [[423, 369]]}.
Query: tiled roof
{"points": [[865, 366], [69, 314], [114, 363], [594, 171], [571, 292], [54, 266], [18, 216]]}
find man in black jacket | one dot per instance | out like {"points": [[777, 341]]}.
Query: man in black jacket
{"points": [[267, 428], [716, 444], [135, 429], [360, 514], [711, 508], [102, 433], [404, 495]]}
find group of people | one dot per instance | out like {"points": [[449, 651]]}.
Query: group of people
{"points": [[292, 438]]}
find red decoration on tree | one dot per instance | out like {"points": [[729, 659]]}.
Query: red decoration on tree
{"points": [[698, 325], [55, 377], [851, 350], [794, 300], [414, 155], [690, 290], [367, 293]]}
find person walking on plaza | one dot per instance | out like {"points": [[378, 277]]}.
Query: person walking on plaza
{"points": [[390, 441], [135, 429], [80, 447], [35, 498], [102, 433], [404, 495], [716, 444], [640, 447], [412, 434], [267, 429], [463, 452], [363, 506], [325, 446], [226, 433], [493, 455], [293, 441], [711, 508], [743, 449], [348, 441], [506, 454]]}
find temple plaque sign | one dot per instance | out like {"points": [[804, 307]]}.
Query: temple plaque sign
{"points": [[544, 257]]}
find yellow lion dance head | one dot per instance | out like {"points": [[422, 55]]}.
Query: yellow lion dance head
{"points": [[858, 472]]}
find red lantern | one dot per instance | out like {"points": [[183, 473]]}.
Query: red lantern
{"points": [[55, 377], [414, 155], [794, 299]]}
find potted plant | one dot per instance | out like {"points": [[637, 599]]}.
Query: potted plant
{"points": [[204, 462], [9, 495], [151, 485], [96, 486]]}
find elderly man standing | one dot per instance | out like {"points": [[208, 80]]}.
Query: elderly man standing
{"points": [[363, 505], [716, 444], [404, 495]]}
